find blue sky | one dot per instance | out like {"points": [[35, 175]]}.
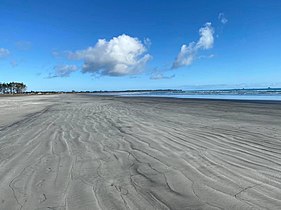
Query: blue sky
{"points": [[117, 45]]}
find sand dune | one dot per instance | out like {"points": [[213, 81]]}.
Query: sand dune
{"points": [[83, 152]]}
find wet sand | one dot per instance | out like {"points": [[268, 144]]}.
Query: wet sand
{"points": [[92, 152]]}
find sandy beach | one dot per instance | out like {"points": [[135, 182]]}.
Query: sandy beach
{"points": [[95, 152]]}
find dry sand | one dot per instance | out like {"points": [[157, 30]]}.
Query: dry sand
{"points": [[84, 152]]}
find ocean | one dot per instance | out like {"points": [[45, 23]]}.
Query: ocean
{"points": [[273, 94]]}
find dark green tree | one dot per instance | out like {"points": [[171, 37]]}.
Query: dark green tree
{"points": [[12, 88]]}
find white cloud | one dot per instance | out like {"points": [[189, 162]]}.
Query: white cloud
{"points": [[14, 63], [122, 55], [222, 18], [147, 42], [63, 71], [60, 54], [206, 56], [189, 52], [185, 56], [4, 52], [160, 76], [206, 40], [23, 45], [56, 54]]}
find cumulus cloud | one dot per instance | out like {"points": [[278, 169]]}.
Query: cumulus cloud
{"points": [[160, 76], [222, 18], [206, 40], [122, 55], [4, 52], [185, 56], [63, 71], [189, 52]]}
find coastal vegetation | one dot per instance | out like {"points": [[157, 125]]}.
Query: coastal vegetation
{"points": [[12, 88]]}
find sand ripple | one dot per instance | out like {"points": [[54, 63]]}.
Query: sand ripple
{"points": [[83, 152]]}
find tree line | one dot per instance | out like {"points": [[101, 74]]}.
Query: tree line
{"points": [[12, 88]]}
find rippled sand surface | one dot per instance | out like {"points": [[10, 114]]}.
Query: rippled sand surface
{"points": [[84, 152]]}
